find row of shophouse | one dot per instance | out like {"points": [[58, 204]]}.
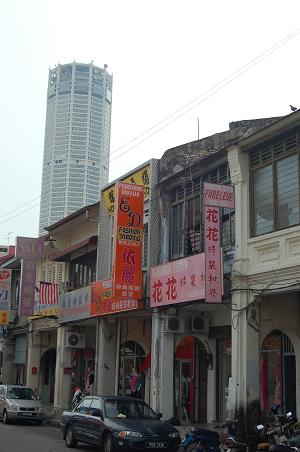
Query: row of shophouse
{"points": [[197, 361]]}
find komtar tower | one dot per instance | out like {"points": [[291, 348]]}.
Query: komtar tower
{"points": [[77, 139]]}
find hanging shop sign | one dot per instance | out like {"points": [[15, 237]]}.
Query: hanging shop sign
{"points": [[178, 281], [215, 196], [102, 303], [74, 305], [29, 247], [140, 177], [218, 195], [27, 291], [127, 242], [5, 296], [213, 255]]}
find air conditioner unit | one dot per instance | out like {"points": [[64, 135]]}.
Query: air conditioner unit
{"points": [[75, 340], [200, 323], [66, 286], [174, 325]]}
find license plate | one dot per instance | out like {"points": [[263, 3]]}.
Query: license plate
{"points": [[156, 445], [28, 414]]}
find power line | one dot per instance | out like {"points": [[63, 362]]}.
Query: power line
{"points": [[211, 91], [204, 96], [17, 208], [20, 213]]}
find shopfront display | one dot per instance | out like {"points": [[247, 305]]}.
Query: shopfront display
{"points": [[190, 381], [131, 377], [83, 365], [277, 372]]}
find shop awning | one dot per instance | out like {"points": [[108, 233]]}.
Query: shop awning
{"points": [[77, 250]]}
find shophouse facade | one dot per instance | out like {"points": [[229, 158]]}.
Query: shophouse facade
{"points": [[123, 352], [192, 339], [264, 169]]}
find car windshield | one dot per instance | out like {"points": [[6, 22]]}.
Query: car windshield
{"points": [[128, 409], [20, 393]]}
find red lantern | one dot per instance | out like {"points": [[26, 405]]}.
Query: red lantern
{"points": [[34, 370]]}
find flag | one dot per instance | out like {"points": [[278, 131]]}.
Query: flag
{"points": [[48, 293]]}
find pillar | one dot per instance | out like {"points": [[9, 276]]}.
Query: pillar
{"points": [[34, 360], [62, 378], [162, 368], [106, 348]]}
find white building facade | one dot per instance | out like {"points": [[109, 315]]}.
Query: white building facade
{"points": [[77, 139]]}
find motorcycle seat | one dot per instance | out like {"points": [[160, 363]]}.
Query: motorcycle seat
{"points": [[279, 448], [199, 431]]}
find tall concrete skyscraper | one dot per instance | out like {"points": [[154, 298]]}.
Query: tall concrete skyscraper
{"points": [[77, 139]]}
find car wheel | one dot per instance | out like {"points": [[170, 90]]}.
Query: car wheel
{"points": [[108, 443], [5, 417], [70, 440]]}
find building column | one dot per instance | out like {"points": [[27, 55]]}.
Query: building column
{"points": [[105, 363], [62, 379], [34, 361], [162, 368], [8, 361], [245, 388]]}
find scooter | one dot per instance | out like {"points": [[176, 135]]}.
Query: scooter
{"points": [[78, 396], [201, 439]]}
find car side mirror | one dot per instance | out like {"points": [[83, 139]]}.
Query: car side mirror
{"points": [[97, 413], [159, 415]]}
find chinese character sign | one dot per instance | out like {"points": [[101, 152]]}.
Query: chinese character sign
{"points": [[178, 281], [5, 294], [140, 177], [218, 195], [213, 267], [74, 305], [127, 246], [27, 293], [102, 303]]}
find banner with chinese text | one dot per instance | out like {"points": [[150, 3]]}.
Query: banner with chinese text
{"points": [[27, 291], [127, 242], [102, 303], [178, 281], [74, 305], [5, 295], [213, 266], [140, 177]]}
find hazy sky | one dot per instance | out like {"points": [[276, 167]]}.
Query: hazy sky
{"points": [[163, 54]]}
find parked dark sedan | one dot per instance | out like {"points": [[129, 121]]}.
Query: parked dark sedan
{"points": [[118, 423]]}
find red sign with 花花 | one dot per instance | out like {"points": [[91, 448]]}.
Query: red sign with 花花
{"points": [[127, 245], [178, 281]]}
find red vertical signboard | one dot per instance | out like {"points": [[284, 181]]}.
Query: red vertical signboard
{"points": [[215, 196], [127, 249], [213, 286]]}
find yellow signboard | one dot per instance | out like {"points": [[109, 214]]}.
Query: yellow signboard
{"points": [[46, 312], [140, 177], [4, 318]]}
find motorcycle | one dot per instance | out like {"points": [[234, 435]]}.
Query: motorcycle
{"points": [[201, 440], [79, 394]]}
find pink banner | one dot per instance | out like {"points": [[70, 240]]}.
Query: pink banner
{"points": [[27, 293], [218, 195], [213, 265], [178, 281], [29, 247]]}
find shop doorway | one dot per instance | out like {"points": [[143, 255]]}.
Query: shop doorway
{"points": [[48, 363], [131, 379], [278, 372], [190, 381]]}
